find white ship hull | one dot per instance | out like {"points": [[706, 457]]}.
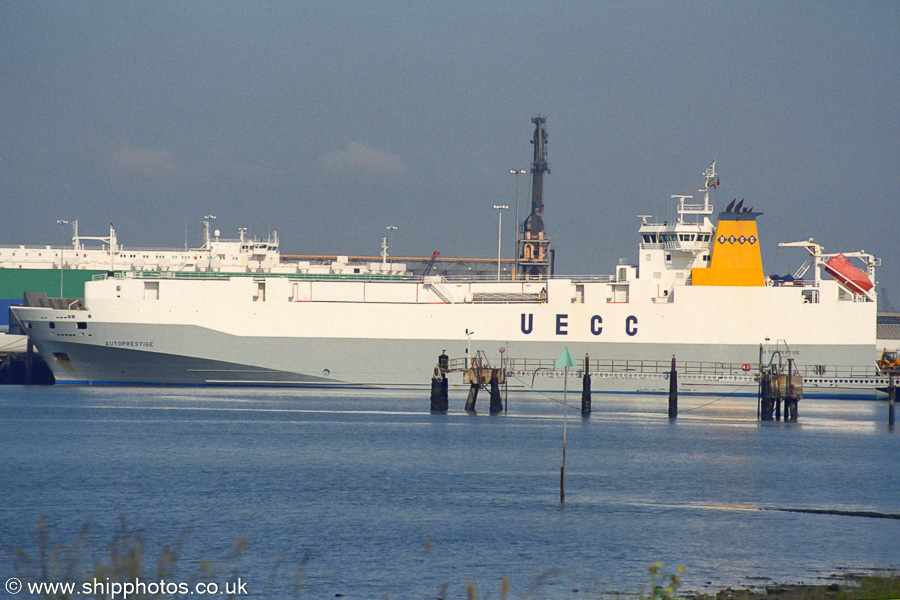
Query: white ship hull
{"points": [[224, 331]]}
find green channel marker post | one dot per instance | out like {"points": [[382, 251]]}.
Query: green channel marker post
{"points": [[564, 362]]}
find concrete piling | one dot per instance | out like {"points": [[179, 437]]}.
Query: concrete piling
{"points": [[439, 396], [768, 408], [440, 385], [29, 362], [673, 391], [892, 395], [586, 389], [790, 409], [496, 400], [472, 397], [586, 395]]}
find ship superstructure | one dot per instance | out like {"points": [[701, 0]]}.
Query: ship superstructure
{"points": [[107, 254], [668, 251], [61, 271]]}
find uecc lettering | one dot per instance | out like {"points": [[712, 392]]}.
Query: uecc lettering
{"points": [[594, 324]]}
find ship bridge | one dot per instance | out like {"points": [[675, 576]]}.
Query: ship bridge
{"points": [[669, 250]]}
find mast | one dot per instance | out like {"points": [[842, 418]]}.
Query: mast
{"points": [[534, 246], [712, 181]]}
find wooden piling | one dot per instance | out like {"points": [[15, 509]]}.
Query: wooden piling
{"points": [[565, 361], [562, 469], [673, 391], [562, 480]]}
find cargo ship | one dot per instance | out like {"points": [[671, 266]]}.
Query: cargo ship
{"points": [[61, 271], [697, 293]]}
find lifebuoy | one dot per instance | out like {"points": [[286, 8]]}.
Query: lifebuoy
{"points": [[746, 367]]}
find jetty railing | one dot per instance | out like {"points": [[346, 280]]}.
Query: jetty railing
{"points": [[663, 367]]}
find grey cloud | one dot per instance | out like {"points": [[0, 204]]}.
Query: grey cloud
{"points": [[359, 159]]}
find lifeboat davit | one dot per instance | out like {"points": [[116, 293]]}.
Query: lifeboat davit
{"points": [[852, 278]]}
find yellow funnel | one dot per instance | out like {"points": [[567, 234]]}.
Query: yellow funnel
{"points": [[736, 259]]}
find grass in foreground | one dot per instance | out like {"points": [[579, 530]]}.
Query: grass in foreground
{"points": [[77, 572], [126, 560], [883, 585]]}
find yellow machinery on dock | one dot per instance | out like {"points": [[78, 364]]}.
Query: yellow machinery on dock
{"points": [[889, 363]]}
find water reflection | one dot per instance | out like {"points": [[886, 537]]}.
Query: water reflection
{"points": [[365, 482]]}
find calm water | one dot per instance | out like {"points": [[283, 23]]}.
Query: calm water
{"points": [[369, 495]]}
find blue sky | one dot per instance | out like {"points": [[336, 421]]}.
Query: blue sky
{"points": [[330, 121]]}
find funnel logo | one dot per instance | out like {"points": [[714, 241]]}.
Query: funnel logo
{"points": [[740, 240]]}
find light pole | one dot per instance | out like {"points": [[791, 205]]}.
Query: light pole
{"points": [[499, 208], [62, 249], [207, 225], [392, 229], [517, 172]]}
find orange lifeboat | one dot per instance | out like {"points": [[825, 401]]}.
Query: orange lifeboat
{"points": [[843, 270]]}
